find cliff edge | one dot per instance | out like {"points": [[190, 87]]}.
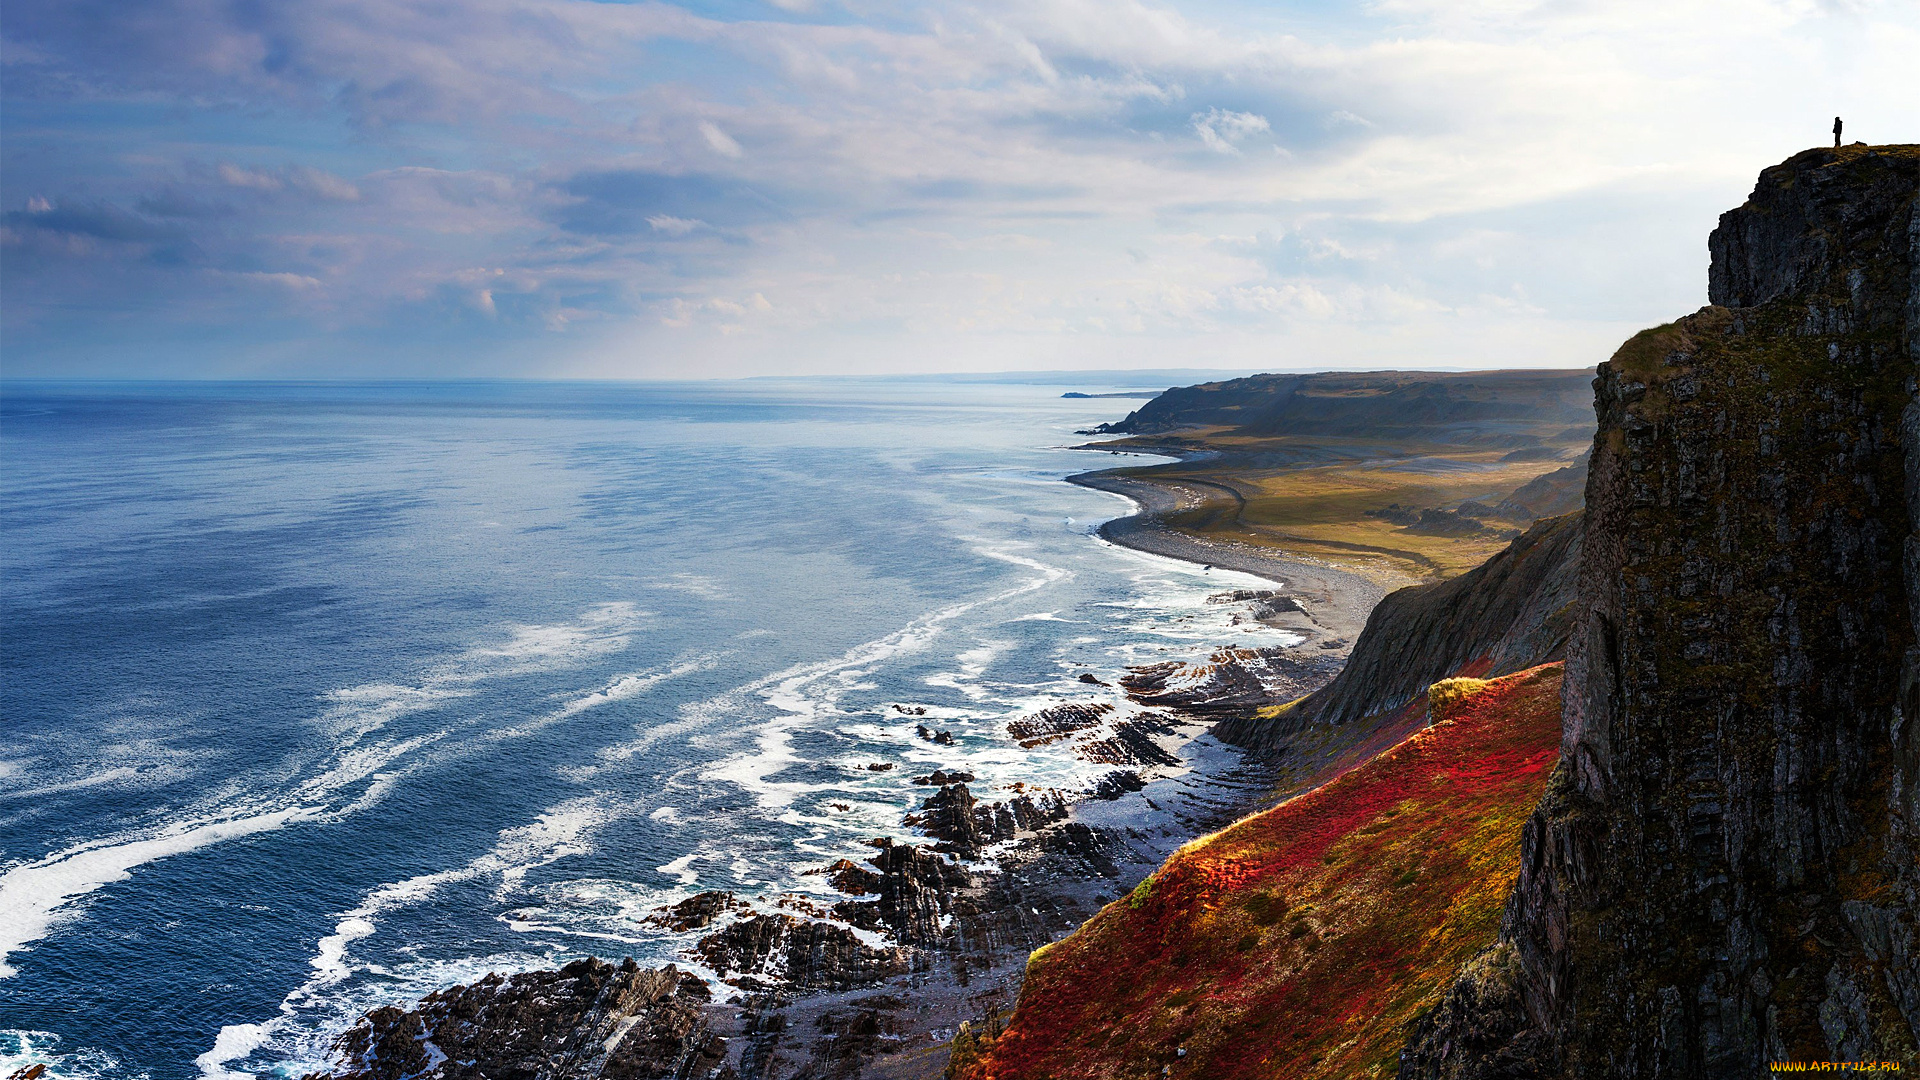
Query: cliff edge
{"points": [[1508, 614], [1722, 873]]}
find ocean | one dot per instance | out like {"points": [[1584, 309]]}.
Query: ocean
{"points": [[319, 697]]}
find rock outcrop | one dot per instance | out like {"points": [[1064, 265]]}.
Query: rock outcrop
{"points": [[768, 951], [1230, 682], [964, 825], [587, 1020], [1510, 613], [1723, 871]]}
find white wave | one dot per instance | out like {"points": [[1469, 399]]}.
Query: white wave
{"points": [[807, 692], [680, 868], [33, 895], [357, 711], [557, 833], [117, 775], [234, 1042], [621, 688], [604, 629], [22, 1049], [1045, 616]]}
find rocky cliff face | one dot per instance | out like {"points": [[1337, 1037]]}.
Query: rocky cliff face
{"points": [[1511, 612], [1723, 871]]}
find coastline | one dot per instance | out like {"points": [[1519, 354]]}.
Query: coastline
{"points": [[1336, 602], [809, 996]]}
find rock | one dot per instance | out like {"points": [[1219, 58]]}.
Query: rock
{"points": [[941, 778], [1396, 514], [880, 766], [916, 888], [1232, 682], [850, 877], [943, 738], [1089, 677], [1118, 783], [1058, 722], [963, 825], [1480, 1031], [1561, 491], [1237, 596], [1368, 405], [586, 1020], [1132, 744], [696, 912], [1724, 870], [949, 818], [799, 953]]}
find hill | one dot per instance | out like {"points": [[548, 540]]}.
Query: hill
{"points": [[1300, 942]]}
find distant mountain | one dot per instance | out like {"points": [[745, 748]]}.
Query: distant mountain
{"points": [[1514, 408]]}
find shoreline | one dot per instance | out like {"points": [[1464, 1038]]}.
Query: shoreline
{"points": [[961, 936], [1337, 602]]}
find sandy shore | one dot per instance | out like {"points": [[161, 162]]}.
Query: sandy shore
{"points": [[1336, 602]]}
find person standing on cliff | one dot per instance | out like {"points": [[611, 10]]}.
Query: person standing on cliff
{"points": [[1836, 131]]}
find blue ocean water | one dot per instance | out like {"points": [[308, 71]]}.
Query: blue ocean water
{"points": [[320, 697]]}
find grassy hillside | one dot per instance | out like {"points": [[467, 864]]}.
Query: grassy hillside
{"points": [[1403, 476], [1302, 941]]}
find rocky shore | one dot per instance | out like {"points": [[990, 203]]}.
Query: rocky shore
{"points": [[931, 934]]}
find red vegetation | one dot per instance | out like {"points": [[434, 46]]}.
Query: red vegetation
{"points": [[1301, 942]]}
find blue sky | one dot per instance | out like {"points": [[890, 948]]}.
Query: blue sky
{"points": [[352, 188]]}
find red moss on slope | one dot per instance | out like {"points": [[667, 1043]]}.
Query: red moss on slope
{"points": [[1302, 941]]}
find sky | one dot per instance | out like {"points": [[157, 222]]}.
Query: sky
{"points": [[565, 188]]}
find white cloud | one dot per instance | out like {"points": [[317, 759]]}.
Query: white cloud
{"points": [[1222, 129], [235, 176], [719, 141], [674, 226], [1018, 178]]}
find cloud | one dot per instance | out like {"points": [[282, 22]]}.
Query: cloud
{"points": [[302, 179], [719, 141], [1222, 129], [1040, 180], [674, 226]]}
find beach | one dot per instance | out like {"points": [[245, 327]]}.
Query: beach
{"points": [[1337, 601]]}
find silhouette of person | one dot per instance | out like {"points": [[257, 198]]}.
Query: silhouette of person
{"points": [[1836, 131]]}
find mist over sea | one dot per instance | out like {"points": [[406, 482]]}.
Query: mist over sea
{"points": [[322, 697]]}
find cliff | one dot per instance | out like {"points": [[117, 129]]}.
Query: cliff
{"points": [[1723, 871], [1512, 612], [1302, 941], [1492, 408]]}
